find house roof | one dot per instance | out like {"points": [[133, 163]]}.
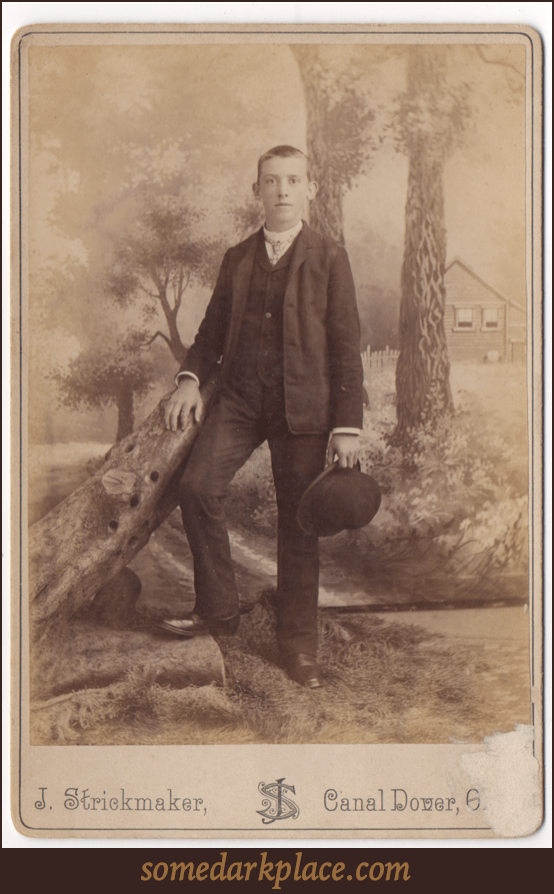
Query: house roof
{"points": [[468, 269]]}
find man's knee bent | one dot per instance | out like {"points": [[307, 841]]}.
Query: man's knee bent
{"points": [[194, 488]]}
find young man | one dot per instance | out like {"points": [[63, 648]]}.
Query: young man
{"points": [[283, 325]]}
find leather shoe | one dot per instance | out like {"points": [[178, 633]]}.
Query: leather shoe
{"points": [[193, 625], [304, 669]]}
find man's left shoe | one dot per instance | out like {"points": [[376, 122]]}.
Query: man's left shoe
{"points": [[305, 670], [194, 625]]}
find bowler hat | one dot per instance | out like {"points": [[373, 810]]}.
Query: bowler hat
{"points": [[338, 499]]}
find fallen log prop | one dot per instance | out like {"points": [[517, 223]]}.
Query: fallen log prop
{"points": [[84, 541]]}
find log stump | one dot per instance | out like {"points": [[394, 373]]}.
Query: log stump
{"points": [[92, 535], [115, 601]]}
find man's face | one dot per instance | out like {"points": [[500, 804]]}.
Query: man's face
{"points": [[284, 188]]}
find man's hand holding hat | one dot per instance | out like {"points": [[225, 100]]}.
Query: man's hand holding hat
{"points": [[346, 448]]}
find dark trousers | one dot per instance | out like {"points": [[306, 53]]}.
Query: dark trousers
{"points": [[234, 428]]}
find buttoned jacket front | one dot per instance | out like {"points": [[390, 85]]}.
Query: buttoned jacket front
{"points": [[323, 376]]}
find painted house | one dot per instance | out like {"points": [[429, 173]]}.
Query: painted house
{"points": [[480, 321]]}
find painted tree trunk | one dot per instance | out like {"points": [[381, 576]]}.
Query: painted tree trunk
{"points": [[174, 342], [177, 347], [326, 209], [423, 369], [125, 414], [89, 537]]}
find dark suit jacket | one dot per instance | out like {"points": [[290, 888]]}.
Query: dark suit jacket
{"points": [[323, 376]]}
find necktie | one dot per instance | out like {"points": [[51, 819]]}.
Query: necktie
{"points": [[279, 247]]}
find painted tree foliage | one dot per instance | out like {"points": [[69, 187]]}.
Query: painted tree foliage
{"points": [[161, 252], [339, 137], [103, 375], [429, 121]]}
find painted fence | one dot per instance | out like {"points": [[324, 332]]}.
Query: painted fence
{"points": [[378, 359]]}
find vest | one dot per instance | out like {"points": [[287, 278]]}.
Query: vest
{"points": [[258, 359]]}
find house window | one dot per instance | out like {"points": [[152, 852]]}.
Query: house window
{"points": [[491, 318], [464, 318]]}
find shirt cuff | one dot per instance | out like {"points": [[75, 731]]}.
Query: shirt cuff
{"points": [[346, 431], [189, 375]]}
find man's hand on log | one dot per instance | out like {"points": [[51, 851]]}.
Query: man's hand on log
{"points": [[185, 398]]}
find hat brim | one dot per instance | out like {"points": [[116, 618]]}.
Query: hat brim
{"points": [[318, 523], [304, 516]]}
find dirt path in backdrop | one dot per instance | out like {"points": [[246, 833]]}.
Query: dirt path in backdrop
{"points": [[166, 570]]}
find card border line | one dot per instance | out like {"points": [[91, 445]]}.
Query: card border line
{"points": [[532, 407]]}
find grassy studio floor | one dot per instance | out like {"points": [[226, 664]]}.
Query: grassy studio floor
{"points": [[386, 681]]}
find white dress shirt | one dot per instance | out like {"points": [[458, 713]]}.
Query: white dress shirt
{"points": [[276, 244]]}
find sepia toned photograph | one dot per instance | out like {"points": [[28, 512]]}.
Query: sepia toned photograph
{"points": [[280, 343]]}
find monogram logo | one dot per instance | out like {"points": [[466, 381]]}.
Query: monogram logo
{"points": [[276, 805]]}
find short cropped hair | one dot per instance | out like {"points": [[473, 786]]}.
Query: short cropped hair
{"points": [[282, 152]]}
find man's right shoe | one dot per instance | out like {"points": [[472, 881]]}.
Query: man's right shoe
{"points": [[305, 670], [193, 625]]}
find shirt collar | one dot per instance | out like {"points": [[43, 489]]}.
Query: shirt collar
{"points": [[286, 235]]}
